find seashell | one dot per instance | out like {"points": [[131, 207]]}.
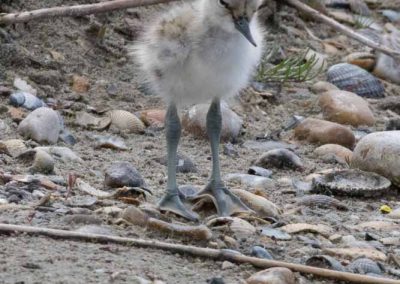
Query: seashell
{"points": [[259, 171], [240, 228], [262, 206], [353, 253], [274, 275], [63, 154], [86, 120], [126, 121], [81, 201], [276, 234], [251, 180], [387, 67], [354, 79], [325, 261], [280, 158], [12, 147], [153, 117], [260, 252], [323, 230], [351, 183], [364, 60], [316, 200], [183, 164], [40, 161], [67, 137], [364, 266], [110, 142]]}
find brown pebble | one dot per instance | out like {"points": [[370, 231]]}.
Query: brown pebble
{"points": [[275, 275]]}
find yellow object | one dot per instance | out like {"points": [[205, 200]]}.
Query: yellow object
{"points": [[385, 209]]}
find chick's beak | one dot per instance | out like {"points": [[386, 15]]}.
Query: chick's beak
{"points": [[242, 25]]}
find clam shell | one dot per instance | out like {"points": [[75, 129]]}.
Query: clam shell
{"points": [[354, 79], [126, 121], [325, 261], [12, 147], [351, 183], [240, 228], [364, 60], [317, 200], [86, 120], [262, 206], [280, 158], [364, 266]]}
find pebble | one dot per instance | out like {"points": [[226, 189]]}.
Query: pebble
{"points": [[346, 108], [354, 253], [227, 265], [322, 87], [63, 154], [93, 229], [275, 275], [183, 164], [153, 117], [280, 158], [12, 147], [194, 122], [42, 125], [379, 152], [259, 171], [16, 114], [395, 214], [42, 163], [261, 252], [392, 15], [80, 84], [334, 153], [22, 85], [321, 229], [324, 132], [123, 174], [325, 261], [25, 100], [276, 234]]}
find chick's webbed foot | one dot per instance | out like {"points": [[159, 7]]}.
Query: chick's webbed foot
{"points": [[172, 203], [225, 201]]}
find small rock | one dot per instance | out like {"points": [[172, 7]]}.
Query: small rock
{"points": [[322, 87], [24, 86], [353, 253], [81, 201], [80, 84], [395, 214], [93, 229], [259, 171], [4, 91], [12, 147], [261, 252], [63, 154], [324, 132], [280, 158], [26, 100], [43, 163], [334, 153], [123, 174], [153, 117], [392, 15], [275, 275], [16, 114], [346, 108], [227, 265], [230, 150], [183, 164], [42, 125], [194, 122], [267, 145], [378, 152]]}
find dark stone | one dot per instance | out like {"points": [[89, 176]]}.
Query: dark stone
{"points": [[123, 174]]}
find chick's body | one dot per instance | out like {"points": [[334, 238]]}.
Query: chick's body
{"points": [[193, 54]]}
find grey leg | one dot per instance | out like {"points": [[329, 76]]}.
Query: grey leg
{"points": [[226, 202], [171, 201]]}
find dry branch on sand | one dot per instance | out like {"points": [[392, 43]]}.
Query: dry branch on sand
{"points": [[197, 251]]}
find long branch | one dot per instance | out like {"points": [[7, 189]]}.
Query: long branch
{"points": [[77, 10], [197, 251], [342, 28]]}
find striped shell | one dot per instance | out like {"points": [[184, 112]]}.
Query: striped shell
{"points": [[364, 266], [325, 261], [126, 121], [317, 200], [351, 183], [26, 100], [354, 79], [357, 6], [12, 147]]}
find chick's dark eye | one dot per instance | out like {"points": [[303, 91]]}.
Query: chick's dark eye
{"points": [[223, 4]]}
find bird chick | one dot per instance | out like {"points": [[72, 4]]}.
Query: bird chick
{"points": [[194, 53]]}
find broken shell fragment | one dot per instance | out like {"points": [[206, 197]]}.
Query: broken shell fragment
{"points": [[321, 229], [351, 183], [280, 158], [259, 171], [12, 147], [262, 206], [126, 121], [364, 266], [323, 201], [40, 161], [250, 180], [325, 261], [364, 60], [354, 79], [110, 142]]}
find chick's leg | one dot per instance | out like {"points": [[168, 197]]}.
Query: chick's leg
{"points": [[171, 201], [225, 201]]}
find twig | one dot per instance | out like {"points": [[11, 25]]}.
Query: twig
{"points": [[74, 11], [199, 252], [342, 28]]}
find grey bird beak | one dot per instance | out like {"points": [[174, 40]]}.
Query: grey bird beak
{"points": [[242, 25]]}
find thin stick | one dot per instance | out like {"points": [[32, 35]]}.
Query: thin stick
{"points": [[199, 252], [77, 10], [342, 28]]}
